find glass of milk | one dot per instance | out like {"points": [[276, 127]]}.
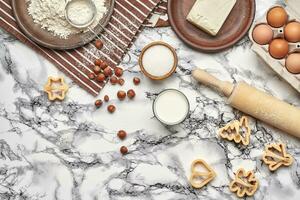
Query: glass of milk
{"points": [[171, 107], [158, 60]]}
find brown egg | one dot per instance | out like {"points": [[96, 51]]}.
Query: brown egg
{"points": [[292, 32], [292, 63], [277, 17], [279, 48], [262, 34]]}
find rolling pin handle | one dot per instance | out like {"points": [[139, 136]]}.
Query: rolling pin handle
{"points": [[205, 78]]}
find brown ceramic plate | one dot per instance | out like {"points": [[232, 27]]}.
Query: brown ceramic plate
{"points": [[47, 39], [235, 27]]}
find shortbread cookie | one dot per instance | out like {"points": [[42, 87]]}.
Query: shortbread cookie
{"points": [[56, 88], [237, 131], [275, 156], [244, 183], [199, 178]]}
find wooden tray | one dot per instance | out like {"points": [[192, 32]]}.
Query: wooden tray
{"points": [[47, 39], [236, 26]]}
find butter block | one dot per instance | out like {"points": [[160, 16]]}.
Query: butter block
{"points": [[210, 15]]}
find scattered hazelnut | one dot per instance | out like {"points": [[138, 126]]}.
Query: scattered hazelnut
{"points": [[103, 65], [98, 44], [106, 98], [131, 94], [111, 108], [92, 76], [107, 71], [113, 80], [97, 69], [121, 95], [121, 81], [123, 150], [101, 77], [118, 71], [98, 103], [122, 134], [136, 80], [98, 62]]}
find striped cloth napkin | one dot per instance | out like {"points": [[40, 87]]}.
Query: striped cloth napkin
{"points": [[126, 22], [159, 17]]}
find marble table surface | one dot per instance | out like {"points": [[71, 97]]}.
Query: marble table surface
{"points": [[69, 150]]}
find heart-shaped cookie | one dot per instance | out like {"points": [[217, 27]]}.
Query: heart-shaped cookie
{"points": [[199, 178]]}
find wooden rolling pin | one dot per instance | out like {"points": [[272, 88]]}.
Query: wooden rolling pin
{"points": [[256, 103]]}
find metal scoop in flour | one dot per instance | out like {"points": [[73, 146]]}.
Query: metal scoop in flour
{"points": [[80, 13]]}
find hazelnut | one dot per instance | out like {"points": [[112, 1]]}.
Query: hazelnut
{"points": [[103, 65], [121, 95], [113, 80], [124, 150], [111, 108], [118, 71], [121, 81], [98, 62], [136, 80], [101, 77], [98, 103], [107, 71], [92, 76], [106, 98], [131, 94], [98, 44], [122, 134], [97, 69]]}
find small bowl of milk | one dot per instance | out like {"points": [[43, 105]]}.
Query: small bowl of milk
{"points": [[158, 60], [171, 107]]}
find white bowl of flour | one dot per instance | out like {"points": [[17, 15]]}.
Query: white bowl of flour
{"points": [[50, 15], [44, 22]]}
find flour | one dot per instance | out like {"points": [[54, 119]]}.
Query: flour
{"points": [[80, 13], [50, 15]]}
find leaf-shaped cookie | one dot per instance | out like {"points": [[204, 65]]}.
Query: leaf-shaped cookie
{"points": [[237, 131], [198, 178], [275, 156], [244, 183]]}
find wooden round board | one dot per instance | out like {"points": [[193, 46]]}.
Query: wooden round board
{"points": [[235, 27], [47, 39]]}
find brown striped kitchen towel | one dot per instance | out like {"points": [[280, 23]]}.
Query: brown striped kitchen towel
{"points": [[125, 23], [159, 17]]}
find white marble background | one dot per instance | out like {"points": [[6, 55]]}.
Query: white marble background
{"points": [[68, 150]]}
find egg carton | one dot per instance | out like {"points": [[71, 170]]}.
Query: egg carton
{"points": [[278, 65]]}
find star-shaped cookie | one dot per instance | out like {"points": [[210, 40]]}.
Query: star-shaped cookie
{"points": [[56, 88]]}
